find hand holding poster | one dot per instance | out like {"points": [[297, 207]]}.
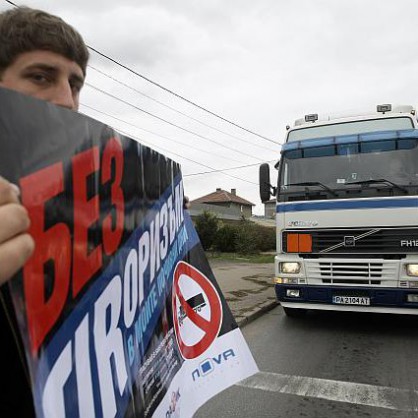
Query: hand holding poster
{"points": [[118, 309]]}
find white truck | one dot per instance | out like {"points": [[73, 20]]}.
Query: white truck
{"points": [[347, 213]]}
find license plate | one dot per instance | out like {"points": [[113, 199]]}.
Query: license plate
{"points": [[351, 300]]}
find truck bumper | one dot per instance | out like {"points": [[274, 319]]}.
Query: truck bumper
{"points": [[386, 300]]}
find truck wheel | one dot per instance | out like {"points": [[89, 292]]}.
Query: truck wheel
{"points": [[294, 312]]}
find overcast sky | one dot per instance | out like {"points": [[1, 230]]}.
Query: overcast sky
{"points": [[259, 64]]}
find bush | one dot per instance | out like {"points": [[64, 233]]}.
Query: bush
{"points": [[206, 227], [225, 239], [247, 238], [266, 238], [244, 238]]}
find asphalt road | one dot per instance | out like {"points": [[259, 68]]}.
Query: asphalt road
{"points": [[326, 365]]}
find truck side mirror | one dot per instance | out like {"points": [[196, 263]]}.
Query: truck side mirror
{"points": [[265, 185]]}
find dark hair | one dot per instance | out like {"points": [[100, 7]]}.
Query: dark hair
{"points": [[24, 30]]}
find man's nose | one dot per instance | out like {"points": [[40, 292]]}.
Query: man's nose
{"points": [[63, 96]]}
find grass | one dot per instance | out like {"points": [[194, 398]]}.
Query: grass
{"points": [[251, 258]]}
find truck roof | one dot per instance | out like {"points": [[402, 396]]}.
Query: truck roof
{"points": [[310, 125], [324, 120]]}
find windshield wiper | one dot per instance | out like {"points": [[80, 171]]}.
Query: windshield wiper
{"points": [[314, 183], [374, 181]]}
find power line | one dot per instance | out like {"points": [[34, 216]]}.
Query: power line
{"points": [[141, 140], [225, 169], [181, 156], [168, 90], [180, 97], [170, 123], [177, 95], [156, 134], [176, 110], [155, 116]]}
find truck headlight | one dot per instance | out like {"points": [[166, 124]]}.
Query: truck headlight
{"points": [[290, 268], [412, 269]]}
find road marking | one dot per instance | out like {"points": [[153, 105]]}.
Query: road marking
{"points": [[335, 390]]}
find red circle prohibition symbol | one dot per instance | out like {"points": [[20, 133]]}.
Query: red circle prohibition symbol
{"points": [[210, 327]]}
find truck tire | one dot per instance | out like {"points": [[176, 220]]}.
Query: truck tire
{"points": [[294, 312]]}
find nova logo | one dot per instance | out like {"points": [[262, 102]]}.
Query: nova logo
{"points": [[409, 243], [208, 366]]}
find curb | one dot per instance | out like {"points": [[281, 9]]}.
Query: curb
{"points": [[254, 315]]}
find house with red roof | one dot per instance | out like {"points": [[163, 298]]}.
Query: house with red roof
{"points": [[226, 205]]}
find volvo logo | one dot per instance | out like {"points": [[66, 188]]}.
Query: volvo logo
{"points": [[349, 241], [302, 223]]}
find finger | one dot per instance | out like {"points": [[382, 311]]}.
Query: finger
{"points": [[13, 255], [14, 220], [9, 193]]}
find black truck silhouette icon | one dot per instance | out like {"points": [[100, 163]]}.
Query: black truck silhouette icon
{"points": [[196, 302]]}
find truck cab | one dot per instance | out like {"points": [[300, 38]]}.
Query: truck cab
{"points": [[347, 213]]}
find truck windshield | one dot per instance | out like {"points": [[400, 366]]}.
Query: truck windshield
{"points": [[378, 167]]}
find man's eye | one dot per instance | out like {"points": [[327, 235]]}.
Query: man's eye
{"points": [[76, 87], [39, 77]]}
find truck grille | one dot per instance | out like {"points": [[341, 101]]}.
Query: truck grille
{"points": [[351, 272], [360, 241]]}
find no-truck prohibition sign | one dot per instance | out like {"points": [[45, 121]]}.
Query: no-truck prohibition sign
{"points": [[197, 310]]}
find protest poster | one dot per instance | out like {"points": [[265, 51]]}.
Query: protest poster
{"points": [[118, 309]]}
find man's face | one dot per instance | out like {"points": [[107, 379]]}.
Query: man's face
{"points": [[47, 76]]}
